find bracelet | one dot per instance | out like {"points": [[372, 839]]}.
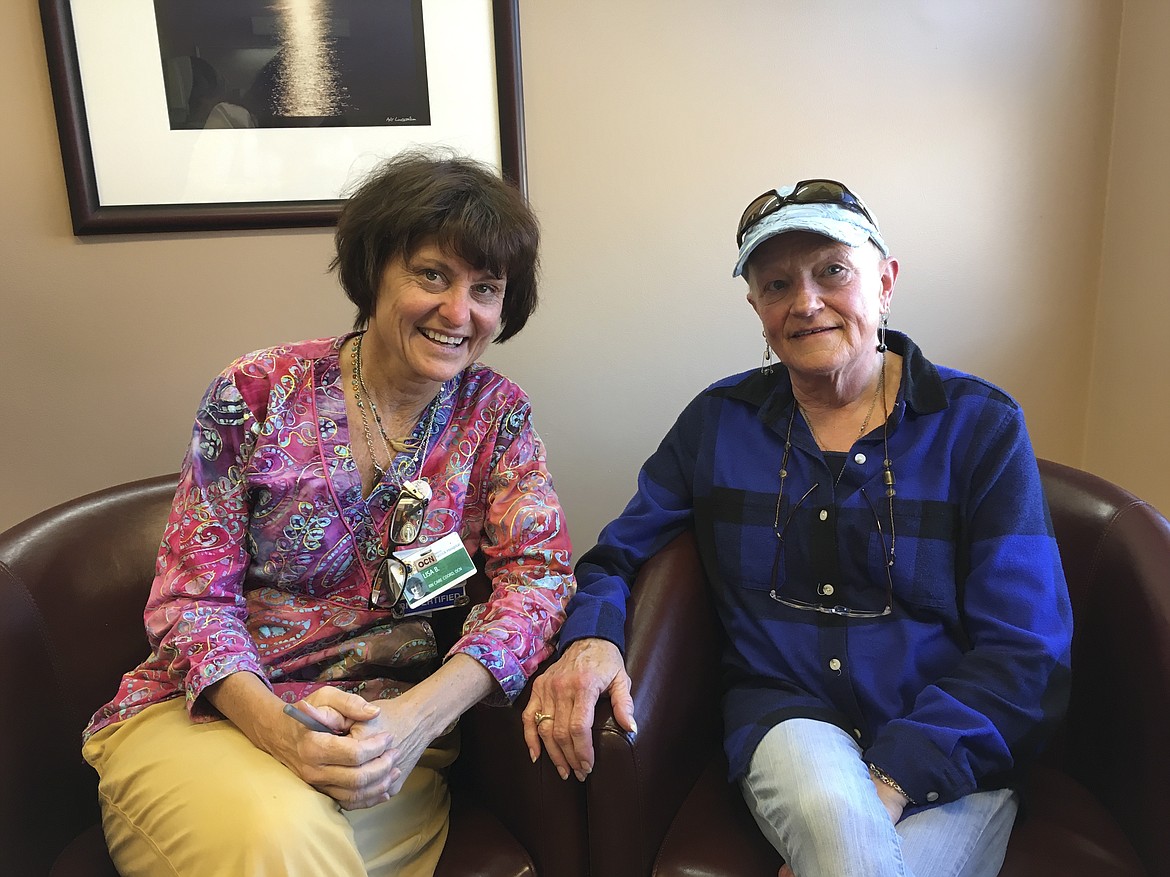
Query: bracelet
{"points": [[888, 780]]}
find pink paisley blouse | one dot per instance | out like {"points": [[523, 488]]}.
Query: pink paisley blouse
{"points": [[268, 555]]}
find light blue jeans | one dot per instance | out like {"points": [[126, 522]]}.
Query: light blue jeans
{"points": [[812, 796]]}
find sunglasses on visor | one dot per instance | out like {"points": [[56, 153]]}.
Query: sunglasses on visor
{"points": [[805, 192]]}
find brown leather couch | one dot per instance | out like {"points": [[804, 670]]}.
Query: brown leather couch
{"points": [[1098, 804], [73, 584]]}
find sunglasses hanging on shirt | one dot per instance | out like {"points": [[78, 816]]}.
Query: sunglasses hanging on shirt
{"points": [[405, 525]]}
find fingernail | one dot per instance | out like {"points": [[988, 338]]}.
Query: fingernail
{"points": [[581, 774], [564, 772], [533, 756], [633, 726]]}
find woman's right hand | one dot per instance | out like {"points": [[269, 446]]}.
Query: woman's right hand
{"points": [[560, 710]]}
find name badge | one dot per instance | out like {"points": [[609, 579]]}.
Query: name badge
{"points": [[435, 568]]}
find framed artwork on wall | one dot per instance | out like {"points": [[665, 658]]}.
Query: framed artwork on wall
{"points": [[176, 115]]}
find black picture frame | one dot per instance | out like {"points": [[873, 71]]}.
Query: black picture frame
{"points": [[93, 217]]}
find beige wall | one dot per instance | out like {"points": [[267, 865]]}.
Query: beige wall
{"points": [[964, 123], [651, 124], [1130, 399]]}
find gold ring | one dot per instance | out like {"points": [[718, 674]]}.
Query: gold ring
{"points": [[540, 717]]}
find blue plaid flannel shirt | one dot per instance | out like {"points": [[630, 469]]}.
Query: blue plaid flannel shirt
{"points": [[959, 687]]}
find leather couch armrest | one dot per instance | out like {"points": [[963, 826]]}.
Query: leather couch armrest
{"points": [[673, 647], [545, 813], [1116, 736], [1115, 549], [73, 583]]}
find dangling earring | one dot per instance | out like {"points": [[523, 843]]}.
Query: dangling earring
{"points": [[882, 332], [766, 365]]}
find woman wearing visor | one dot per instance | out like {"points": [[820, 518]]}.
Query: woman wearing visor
{"points": [[332, 498], [881, 558]]}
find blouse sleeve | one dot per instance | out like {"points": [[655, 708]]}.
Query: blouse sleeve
{"points": [[528, 555], [195, 617]]}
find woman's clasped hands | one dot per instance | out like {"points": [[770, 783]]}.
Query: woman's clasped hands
{"points": [[357, 765], [372, 750], [365, 761]]}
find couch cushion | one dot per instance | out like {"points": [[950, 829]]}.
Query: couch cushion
{"points": [[1065, 831], [478, 846], [86, 856], [714, 835]]}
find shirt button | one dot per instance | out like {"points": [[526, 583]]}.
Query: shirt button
{"points": [[859, 459], [824, 515], [827, 590], [932, 796], [835, 666]]}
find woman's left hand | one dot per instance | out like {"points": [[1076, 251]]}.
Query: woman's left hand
{"points": [[425, 712], [410, 733], [894, 801]]}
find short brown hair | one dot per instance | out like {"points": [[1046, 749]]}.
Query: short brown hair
{"points": [[460, 204]]}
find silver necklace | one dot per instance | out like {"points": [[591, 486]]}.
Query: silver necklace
{"points": [[888, 479], [880, 390], [391, 446], [887, 465]]}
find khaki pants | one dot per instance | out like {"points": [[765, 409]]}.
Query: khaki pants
{"points": [[180, 798]]}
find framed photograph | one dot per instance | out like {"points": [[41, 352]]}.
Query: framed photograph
{"points": [[186, 115]]}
